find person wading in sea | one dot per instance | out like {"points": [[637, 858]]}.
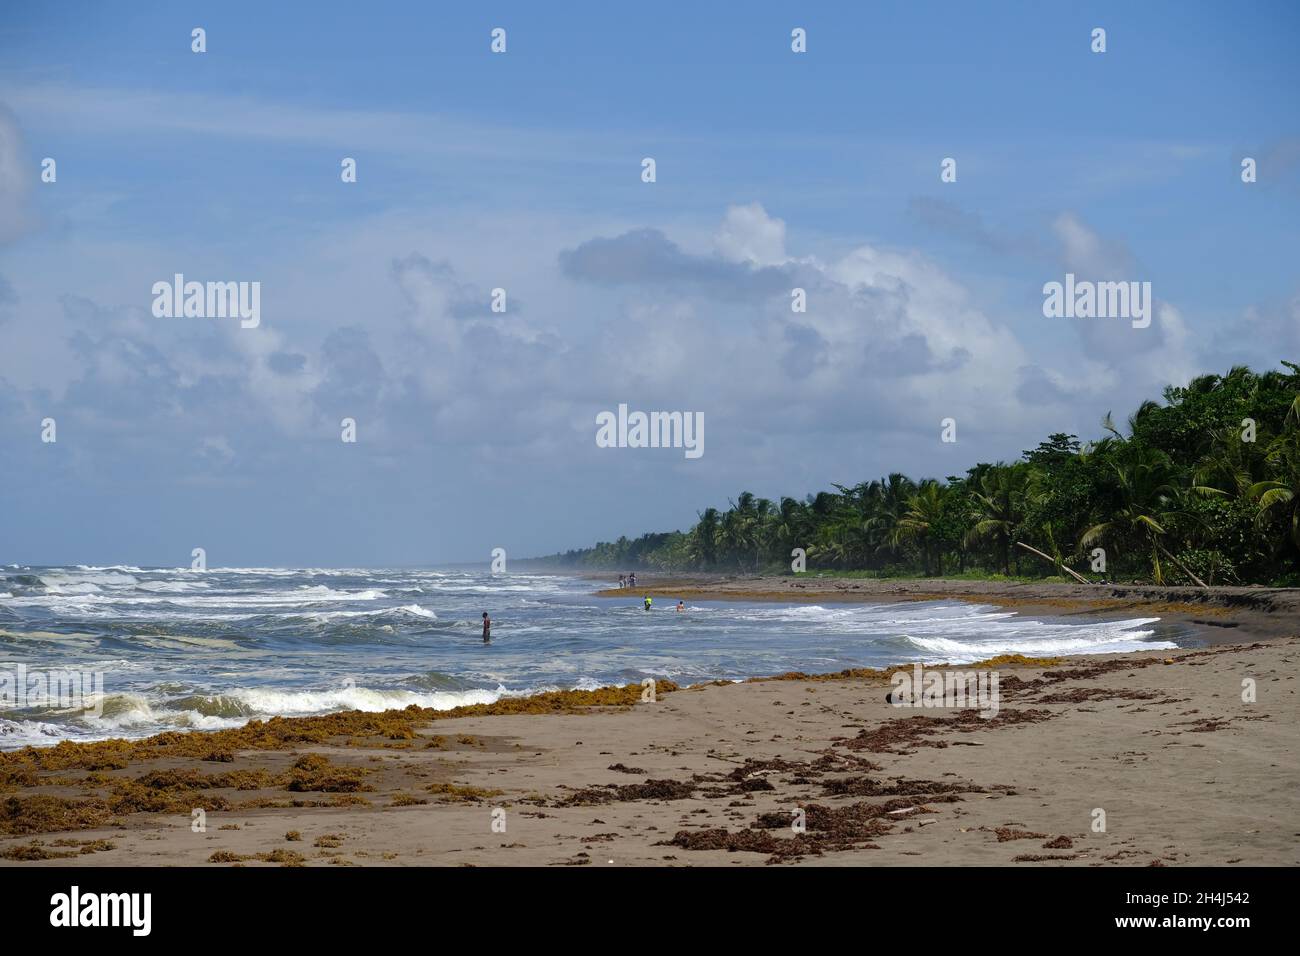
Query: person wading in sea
{"points": [[487, 628]]}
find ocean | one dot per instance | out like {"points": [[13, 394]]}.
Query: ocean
{"points": [[88, 653]]}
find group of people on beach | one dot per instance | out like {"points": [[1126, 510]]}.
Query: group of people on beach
{"points": [[681, 605], [624, 581], [629, 581]]}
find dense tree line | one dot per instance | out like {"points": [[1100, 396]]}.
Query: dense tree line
{"points": [[1204, 487]]}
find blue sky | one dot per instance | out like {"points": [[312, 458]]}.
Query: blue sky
{"points": [[522, 171]]}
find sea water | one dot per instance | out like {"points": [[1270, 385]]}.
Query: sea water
{"points": [[182, 649]]}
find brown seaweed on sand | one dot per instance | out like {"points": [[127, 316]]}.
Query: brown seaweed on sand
{"points": [[611, 793], [895, 736]]}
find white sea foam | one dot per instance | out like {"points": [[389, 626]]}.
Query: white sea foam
{"points": [[168, 587], [134, 715], [95, 580], [1036, 639], [412, 610], [75, 601], [29, 733], [289, 702]]}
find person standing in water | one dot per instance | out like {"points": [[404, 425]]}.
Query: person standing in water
{"points": [[647, 602], [487, 628], [680, 607]]}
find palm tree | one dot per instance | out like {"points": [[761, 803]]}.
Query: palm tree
{"points": [[1279, 498], [764, 528], [740, 530], [1232, 466], [1147, 499], [887, 503], [921, 519], [998, 508], [790, 527], [703, 544]]}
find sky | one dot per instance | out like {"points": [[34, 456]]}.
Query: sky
{"points": [[523, 171]]}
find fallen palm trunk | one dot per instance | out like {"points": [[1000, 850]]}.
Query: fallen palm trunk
{"points": [[1048, 558], [1181, 567]]}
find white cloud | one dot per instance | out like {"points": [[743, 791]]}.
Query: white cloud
{"points": [[1087, 254], [749, 234]]}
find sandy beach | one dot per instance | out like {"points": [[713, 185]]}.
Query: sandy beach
{"points": [[1159, 748]]}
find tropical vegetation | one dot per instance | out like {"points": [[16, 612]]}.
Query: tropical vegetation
{"points": [[1202, 488]]}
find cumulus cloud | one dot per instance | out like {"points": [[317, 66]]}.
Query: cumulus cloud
{"points": [[1087, 254], [648, 257], [884, 330], [891, 342], [1118, 358], [749, 234]]}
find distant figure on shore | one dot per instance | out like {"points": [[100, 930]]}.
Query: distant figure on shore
{"points": [[647, 602], [487, 628], [631, 580], [680, 606], [622, 580]]}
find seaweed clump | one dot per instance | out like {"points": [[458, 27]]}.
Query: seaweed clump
{"points": [[866, 787], [407, 800], [894, 736], [314, 772], [621, 793], [461, 794], [48, 814], [743, 841], [283, 857]]}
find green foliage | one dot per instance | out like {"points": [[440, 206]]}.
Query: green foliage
{"points": [[1186, 493]]}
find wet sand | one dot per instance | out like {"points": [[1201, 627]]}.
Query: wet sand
{"points": [[1214, 615], [1184, 770]]}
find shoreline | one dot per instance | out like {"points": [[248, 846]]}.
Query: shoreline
{"points": [[708, 774], [1214, 615]]}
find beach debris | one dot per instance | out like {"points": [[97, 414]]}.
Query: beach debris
{"points": [[1007, 834], [462, 794], [895, 736], [650, 790]]}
